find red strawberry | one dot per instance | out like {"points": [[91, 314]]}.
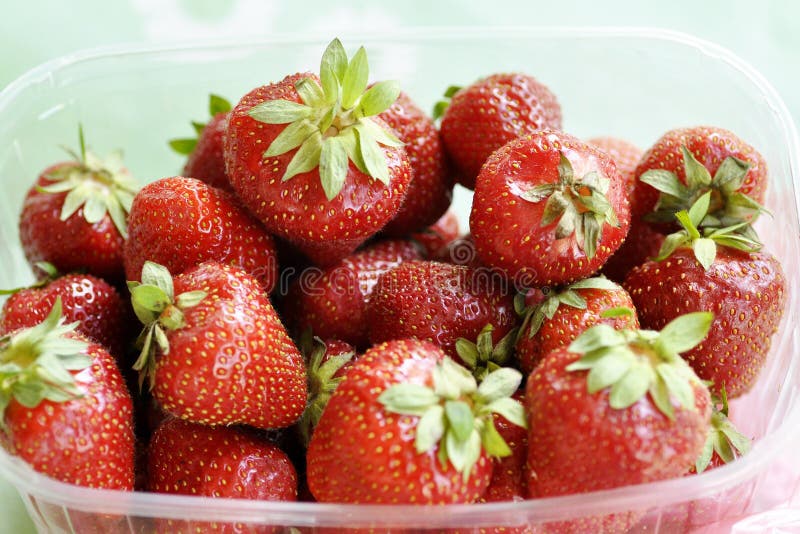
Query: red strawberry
{"points": [[64, 406], [335, 175], [437, 302], [92, 302], [333, 303], [75, 215], [182, 222], [491, 112], [206, 160], [626, 155], [509, 481], [431, 188], [437, 236], [401, 401], [691, 156], [745, 289], [460, 251], [220, 462], [564, 314], [616, 408], [214, 349], [548, 210], [643, 242]]}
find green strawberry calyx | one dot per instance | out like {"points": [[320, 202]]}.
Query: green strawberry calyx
{"points": [[49, 271], [483, 356], [441, 106], [704, 245], [332, 127], [186, 145], [321, 381], [724, 438], [579, 205], [533, 317], [99, 186], [457, 413], [633, 363], [155, 304], [728, 205], [35, 363]]}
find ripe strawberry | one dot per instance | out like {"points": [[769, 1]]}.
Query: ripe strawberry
{"points": [[562, 315], [438, 302], [509, 479], [182, 222], [214, 350], [460, 251], [744, 288], [680, 166], [64, 406], [616, 408], [431, 188], [491, 112], [333, 303], [548, 210], [335, 175], [75, 215], [436, 237], [643, 242], [92, 302], [625, 154], [206, 160], [221, 462], [399, 390]]}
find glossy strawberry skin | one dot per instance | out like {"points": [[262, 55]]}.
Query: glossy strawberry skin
{"points": [[339, 467], [85, 298], [87, 441], [746, 293], [431, 189], [70, 245], [491, 112], [506, 228], [326, 231], [233, 362], [460, 251], [568, 323], [221, 462], [642, 243], [438, 302], [207, 162], [578, 443], [333, 304], [710, 147], [625, 155], [181, 222], [437, 236]]}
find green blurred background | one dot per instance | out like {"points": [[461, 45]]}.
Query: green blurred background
{"points": [[766, 34]]}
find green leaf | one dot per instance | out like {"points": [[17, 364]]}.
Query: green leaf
{"points": [[460, 417], [597, 282], [678, 384], [596, 337], [161, 339], [217, 104], [659, 392], [198, 127], [706, 454], [451, 381], [572, 298], [184, 146], [539, 192], [355, 78], [157, 275], [567, 223], [279, 112], [310, 93], [306, 158], [335, 59], [94, 210], [82, 142], [493, 443], [705, 250], [731, 174], [439, 109], [379, 98], [485, 342], [697, 175], [666, 182], [631, 387], [503, 382], [349, 139], [684, 333], [556, 205], [381, 135], [373, 156], [738, 440], [430, 429], [592, 232], [190, 299], [463, 454], [73, 201], [148, 302], [686, 222], [671, 244], [699, 209], [467, 351], [609, 369], [619, 311], [451, 91], [510, 409], [595, 202], [291, 137], [333, 166], [565, 172], [408, 399]]}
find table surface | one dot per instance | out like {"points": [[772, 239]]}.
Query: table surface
{"points": [[761, 34]]}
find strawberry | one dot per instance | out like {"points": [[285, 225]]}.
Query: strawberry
{"points": [[562, 315], [64, 406], [680, 167], [484, 356], [437, 236], [724, 442], [509, 481], [437, 302], [460, 251], [86, 299], [642, 243], [616, 408], [206, 160], [745, 289], [431, 188], [182, 222], [214, 350], [491, 112], [308, 156], [427, 425], [548, 210], [75, 215], [333, 303], [625, 154], [220, 462]]}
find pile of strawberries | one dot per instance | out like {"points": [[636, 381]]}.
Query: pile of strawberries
{"points": [[297, 318]]}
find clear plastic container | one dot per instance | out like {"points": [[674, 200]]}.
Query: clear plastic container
{"points": [[632, 83]]}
